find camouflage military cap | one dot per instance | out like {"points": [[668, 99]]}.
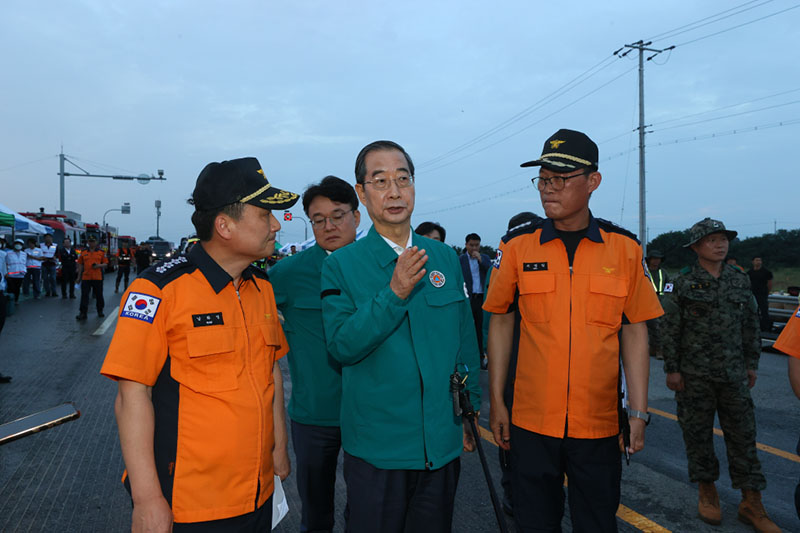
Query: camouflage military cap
{"points": [[655, 254], [707, 226]]}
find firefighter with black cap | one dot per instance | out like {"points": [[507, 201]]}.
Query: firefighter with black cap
{"points": [[195, 354], [582, 290]]}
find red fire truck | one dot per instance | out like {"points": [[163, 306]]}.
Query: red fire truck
{"points": [[62, 225]]}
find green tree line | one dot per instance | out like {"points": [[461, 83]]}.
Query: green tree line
{"points": [[781, 249]]}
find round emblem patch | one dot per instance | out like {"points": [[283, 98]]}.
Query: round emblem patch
{"points": [[437, 278], [140, 304]]}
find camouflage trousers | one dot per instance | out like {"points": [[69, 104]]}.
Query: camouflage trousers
{"points": [[697, 404], [654, 337]]}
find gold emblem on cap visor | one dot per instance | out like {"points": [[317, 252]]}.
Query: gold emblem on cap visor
{"points": [[279, 198], [555, 144], [260, 171]]}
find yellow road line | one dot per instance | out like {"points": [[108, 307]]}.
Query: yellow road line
{"points": [[624, 513], [763, 447]]}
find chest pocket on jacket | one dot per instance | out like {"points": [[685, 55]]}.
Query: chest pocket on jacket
{"points": [[606, 301], [443, 301], [213, 364], [698, 303], [536, 296], [305, 304], [272, 340]]}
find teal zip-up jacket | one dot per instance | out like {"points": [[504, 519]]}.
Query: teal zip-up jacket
{"points": [[316, 376], [397, 355]]}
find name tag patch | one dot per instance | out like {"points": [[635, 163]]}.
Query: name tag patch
{"points": [[207, 319], [141, 307], [534, 267]]}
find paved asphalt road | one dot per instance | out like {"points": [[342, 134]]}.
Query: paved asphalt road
{"points": [[66, 479]]}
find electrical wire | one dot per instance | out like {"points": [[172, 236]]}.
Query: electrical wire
{"points": [[103, 165], [697, 24], [727, 116], [18, 165], [738, 26], [584, 76]]}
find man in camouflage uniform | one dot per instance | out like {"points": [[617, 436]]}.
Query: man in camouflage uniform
{"points": [[711, 348]]}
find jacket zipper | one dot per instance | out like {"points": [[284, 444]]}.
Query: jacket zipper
{"points": [[258, 398]]}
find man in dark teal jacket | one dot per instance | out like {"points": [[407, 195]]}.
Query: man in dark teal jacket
{"points": [[396, 316], [332, 208]]}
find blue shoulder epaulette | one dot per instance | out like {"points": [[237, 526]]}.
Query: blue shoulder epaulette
{"points": [[523, 229]]}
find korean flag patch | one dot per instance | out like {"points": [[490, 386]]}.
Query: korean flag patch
{"points": [[141, 307], [497, 259], [668, 287]]}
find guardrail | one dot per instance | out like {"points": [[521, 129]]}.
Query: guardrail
{"points": [[781, 307]]}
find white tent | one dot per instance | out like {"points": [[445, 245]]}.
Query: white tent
{"points": [[25, 224]]}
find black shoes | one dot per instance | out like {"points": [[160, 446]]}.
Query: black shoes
{"points": [[5, 379], [101, 314], [81, 316]]}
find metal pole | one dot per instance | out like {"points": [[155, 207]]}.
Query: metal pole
{"points": [[642, 195], [61, 177]]}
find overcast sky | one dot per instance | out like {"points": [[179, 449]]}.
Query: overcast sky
{"points": [[470, 89]]}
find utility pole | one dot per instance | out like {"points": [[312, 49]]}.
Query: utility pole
{"points": [[144, 179], [641, 46]]}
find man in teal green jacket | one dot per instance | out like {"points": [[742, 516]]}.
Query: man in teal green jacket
{"points": [[396, 316], [332, 208]]}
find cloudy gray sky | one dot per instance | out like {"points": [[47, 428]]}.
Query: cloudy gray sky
{"points": [[471, 89]]}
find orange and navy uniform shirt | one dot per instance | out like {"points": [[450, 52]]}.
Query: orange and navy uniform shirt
{"points": [[568, 362], [87, 259], [789, 340], [208, 352]]}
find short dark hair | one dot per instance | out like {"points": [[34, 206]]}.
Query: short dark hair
{"points": [[203, 221], [521, 218], [31, 240], [472, 237], [334, 189], [361, 167], [427, 227]]}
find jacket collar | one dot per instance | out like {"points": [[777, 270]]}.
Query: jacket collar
{"points": [[383, 252], [214, 274], [549, 231]]}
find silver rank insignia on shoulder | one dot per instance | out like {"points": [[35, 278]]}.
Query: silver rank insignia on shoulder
{"points": [[437, 278]]}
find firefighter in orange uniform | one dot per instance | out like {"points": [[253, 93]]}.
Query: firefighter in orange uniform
{"points": [[200, 402], [91, 264]]}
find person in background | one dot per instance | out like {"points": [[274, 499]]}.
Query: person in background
{"points": [[142, 256], [711, 347], [731, 260], [33, 274], [474, 266], [91, 265], [16, 261], [431, 230], [68, 257], [49, 250], [761, 285], [332, 207], [3, 274], [124, 258], [659, 279]]}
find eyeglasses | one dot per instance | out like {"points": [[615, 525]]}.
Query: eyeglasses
{"points": [[556, 182], [336, 218], [381, 184]]}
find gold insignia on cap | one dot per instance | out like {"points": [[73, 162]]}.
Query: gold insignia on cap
{"points": [[555, 144], [260, 171], [259, 191], [279, 198]]}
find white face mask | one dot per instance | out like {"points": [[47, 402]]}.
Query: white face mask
{"points": [[18, 247]]}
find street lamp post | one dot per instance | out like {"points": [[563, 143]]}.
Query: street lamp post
{"points": [[158, 217], [125, 210]]}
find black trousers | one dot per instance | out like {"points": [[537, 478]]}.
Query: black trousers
{"points": [[123, 271], [68, 282], [396, 501], [92, 285], [475, 302], [317, 452], [13, 286], [258, 521], [594, 469]]}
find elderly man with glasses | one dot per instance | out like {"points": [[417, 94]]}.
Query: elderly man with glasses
{"points": [[332, 207], [577, 281], [397, 318]]}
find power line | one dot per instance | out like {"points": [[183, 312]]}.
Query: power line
{"points": [[469, 191], [475, 202], [727, 116], [27, 163], [587, 74], [739, 25], [103, 165], [702, 22], [531, 124]]}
